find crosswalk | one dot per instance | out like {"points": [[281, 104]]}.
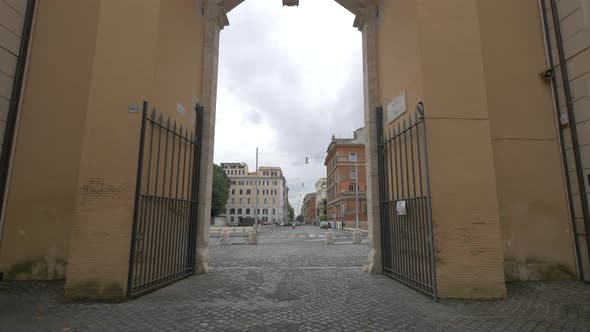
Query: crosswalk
{"points": [[295, 236]]}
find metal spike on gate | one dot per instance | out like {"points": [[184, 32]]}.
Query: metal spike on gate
{"points": [[174, 127], [394, 131], [410, 121], [186, 133], [161, 119], [168, 122], [180, 129], [416, 116], [399, 129], [404, 126], [153, 115]]}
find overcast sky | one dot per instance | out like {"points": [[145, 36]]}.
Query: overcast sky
{"points": [[289, 78]]}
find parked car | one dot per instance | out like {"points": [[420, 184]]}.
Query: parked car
{"points": [[325, 225]]}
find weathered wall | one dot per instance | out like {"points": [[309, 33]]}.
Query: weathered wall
{"points": [[536, 232], [40, 203], [159, 60], [432, 50]]}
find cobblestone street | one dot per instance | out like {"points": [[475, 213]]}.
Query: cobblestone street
{"points": [[293, 281]]}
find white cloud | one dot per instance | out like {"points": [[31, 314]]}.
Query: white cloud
{"points": [[289, 78]]}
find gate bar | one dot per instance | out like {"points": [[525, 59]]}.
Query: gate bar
{"points": [[137, 196]]}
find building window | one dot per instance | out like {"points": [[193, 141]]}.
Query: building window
{"points": [[241, 192], [247, 211], [240, 201], [351, 187], [352, 156], [239, 211], [231, 218], [265, 201], [233, 201], [248, 201], [232, 211], [248, 192], [274, 211], [353, 174]]}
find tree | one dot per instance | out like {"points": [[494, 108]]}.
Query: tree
{"points": [[323, 217], [219, 191], [300, 218], [291, 211]]}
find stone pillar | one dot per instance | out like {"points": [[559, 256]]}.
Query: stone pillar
{"points": [[356, 236], [329, 237], [366, 22], [215, 20]]}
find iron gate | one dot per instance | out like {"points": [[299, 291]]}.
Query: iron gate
{"points": [[164, 221], [404, 191]]}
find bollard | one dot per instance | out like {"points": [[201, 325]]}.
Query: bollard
{"points": [[225, 237], [329, 237], [356, 236], [252, 239]]}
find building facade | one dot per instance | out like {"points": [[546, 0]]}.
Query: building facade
{"points": [[346, 180], [309, 210], [321, 195], [263, 195]]}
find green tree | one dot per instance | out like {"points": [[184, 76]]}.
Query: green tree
{"points": [[219, 191], [323, 217], [291, 211], [300, 218]]}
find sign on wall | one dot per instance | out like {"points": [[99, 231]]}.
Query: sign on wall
{"points": [[397, 107]]}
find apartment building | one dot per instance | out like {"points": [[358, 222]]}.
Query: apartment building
{"points": [[263, 194], [321, 192], [346, 180], [309, 208]]}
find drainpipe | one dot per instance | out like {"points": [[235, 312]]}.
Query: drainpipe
{"points": [[12, 117], [572, 124]]}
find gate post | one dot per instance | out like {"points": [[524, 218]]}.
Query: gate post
{"points": [[366, 22], [215, 20]]}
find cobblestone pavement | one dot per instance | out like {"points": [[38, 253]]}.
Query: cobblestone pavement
{"points": [[295, 283]]}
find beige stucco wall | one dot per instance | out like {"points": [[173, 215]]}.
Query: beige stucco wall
{"points": [[169, 40], [432, 50], [71, 200], [536, 232], [41, 200]]}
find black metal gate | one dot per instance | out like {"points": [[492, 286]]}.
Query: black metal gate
{"points": [[406, 215], [164, 221]]}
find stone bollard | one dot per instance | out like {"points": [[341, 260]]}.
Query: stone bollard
{"points": [[356, 236], [252, 238], [329, 237], [225, 237]]}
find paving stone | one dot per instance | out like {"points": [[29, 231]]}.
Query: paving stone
{"points": [[294, 283]]}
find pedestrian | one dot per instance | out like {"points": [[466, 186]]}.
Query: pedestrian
{"points": [[343, 225]]}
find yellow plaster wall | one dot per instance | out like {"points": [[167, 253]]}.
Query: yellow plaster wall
{"points": [[41, 199], [536, 232]]}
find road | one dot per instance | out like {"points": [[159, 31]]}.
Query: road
{"points": [[293, 281]]}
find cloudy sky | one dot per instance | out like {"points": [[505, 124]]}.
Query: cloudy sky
{"points": [[289, 78]]}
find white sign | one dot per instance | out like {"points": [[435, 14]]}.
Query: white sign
{"points": [[397, 107], [400, 207], [133, 108]]}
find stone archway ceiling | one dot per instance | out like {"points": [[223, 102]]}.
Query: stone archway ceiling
{"points": [[356, 7]]}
